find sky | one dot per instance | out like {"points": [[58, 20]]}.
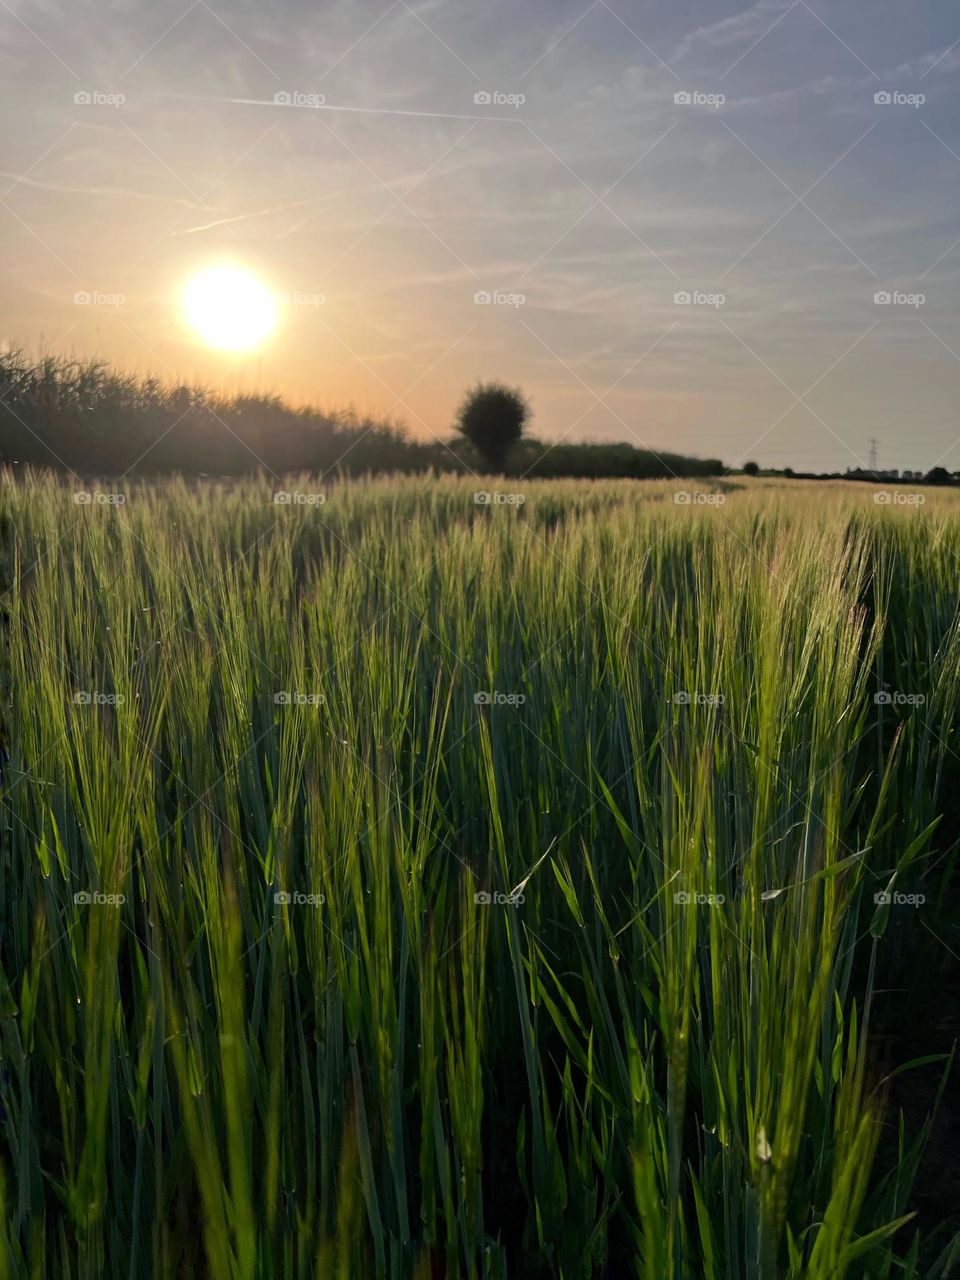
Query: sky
{"points": [[669, 223]]}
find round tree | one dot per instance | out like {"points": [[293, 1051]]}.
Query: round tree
{"points": [[492, 418]]}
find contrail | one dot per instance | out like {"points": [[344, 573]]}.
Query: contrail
{"points": [[20, 179], [370, 111], [243, 217]]}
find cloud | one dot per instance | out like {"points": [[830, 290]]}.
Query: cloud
{"points": [[739, 29]]}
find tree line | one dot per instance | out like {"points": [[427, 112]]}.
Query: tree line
{"points": [[87, 417]]}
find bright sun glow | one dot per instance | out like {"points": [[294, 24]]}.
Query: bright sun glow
{"points": [[230, 308]]}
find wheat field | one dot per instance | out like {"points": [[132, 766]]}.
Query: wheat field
{"points": [[396, 883]]}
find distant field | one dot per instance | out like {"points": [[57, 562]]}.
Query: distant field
{"points": [[399, 884]]}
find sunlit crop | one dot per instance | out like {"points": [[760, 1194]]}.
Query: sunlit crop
{"points": [[398, 884]]}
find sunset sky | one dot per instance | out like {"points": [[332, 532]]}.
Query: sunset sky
{"points": [[341, 153]]}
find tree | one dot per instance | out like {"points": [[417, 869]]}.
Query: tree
{"points": [[492, 418], [751, 469]]}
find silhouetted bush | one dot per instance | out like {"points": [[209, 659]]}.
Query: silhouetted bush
{"points": [[492, 418]]}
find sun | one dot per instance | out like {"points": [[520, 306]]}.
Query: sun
{"points": [[229, 308]]}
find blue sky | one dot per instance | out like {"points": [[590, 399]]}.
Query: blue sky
{"points": [[583, 197]]}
